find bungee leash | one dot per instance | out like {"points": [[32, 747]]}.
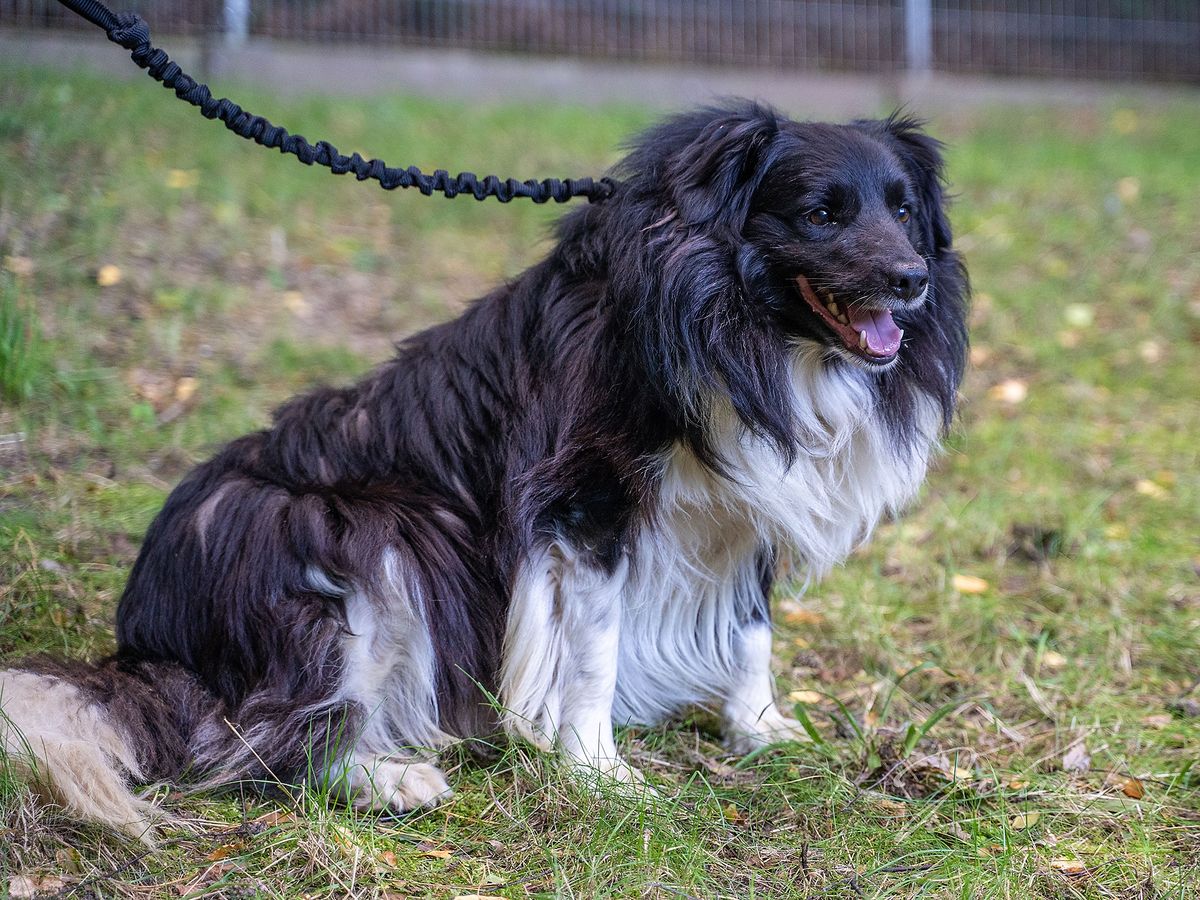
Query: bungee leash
{"points": [[131, 31]]}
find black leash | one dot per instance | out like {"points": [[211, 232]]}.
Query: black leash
{"points": [[131, 31]]}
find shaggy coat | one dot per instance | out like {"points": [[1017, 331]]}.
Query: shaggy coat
{"points": [[559, 511]]}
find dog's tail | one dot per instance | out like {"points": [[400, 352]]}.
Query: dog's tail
{"points": [[84, 732]]}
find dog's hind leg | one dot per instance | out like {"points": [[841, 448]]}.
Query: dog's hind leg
{"points": [[389, 674], [559, 671]]}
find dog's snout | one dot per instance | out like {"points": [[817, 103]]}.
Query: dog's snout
{"points": [[908, 280]]}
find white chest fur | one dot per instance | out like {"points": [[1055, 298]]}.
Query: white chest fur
{"points": [[694, 584]]}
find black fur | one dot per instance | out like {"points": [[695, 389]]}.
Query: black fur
{"points": [[539, 412]]}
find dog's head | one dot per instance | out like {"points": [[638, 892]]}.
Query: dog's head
{"points": [[743, 236]]}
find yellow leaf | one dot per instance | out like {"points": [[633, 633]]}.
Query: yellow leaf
{"points": [[295, 303], [437, 854], [809, 698], [225, 850], [1017, 784], [1052, 659], [732, 813], [1148, 488], [477, 897], [1012, 391], [1128, 189], [1072, 867], [108, 275], [185, 387], [1024, 820], [181, 179], [803, 617], [968, 584], [1127, 785]]}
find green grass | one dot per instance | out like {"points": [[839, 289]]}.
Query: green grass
{"points": [[244, 278]]}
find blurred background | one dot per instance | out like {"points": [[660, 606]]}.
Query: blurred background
{"points": [[1142, 39]]}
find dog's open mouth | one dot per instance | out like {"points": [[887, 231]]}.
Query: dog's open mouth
{"points": [[871, 334]]}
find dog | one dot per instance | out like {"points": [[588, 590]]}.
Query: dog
{"points": [[561, 511]]}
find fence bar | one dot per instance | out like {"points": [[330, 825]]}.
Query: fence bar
{"points": [[918, 35]]}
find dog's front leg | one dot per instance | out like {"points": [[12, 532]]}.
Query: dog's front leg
{"points": [[560, 659], [751, 717]]}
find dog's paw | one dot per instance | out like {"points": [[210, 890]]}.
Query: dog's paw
{"points": [[396, 785], [772, 727]]}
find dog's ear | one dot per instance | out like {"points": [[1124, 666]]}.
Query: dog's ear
{"points": [[921, 155], [715, 175]]}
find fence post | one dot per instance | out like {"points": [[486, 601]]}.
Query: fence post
{"points": [[237, 22], [918, 35]]}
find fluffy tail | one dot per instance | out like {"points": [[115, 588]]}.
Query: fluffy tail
{"points": [[84, 732]]}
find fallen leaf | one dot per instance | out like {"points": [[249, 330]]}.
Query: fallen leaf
{"points": [[437, 854], [181, 179], [809, 698], [1072, 867], [1152, 489], [19, 265], [477, 897], [1022, 821], [295, 303], [1159, 720], [968, 584], [803, 617], [1079, 315], [275, 817], [185, 387], [21, 886], [225, 850], [1128, 785], [108, 275], [1017, 784], [1012, 391], [388, 858], [1052, 659], [1128, 189], [1077, 759], [732, 813]]}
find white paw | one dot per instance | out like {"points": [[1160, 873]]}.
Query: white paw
{"points": [[396, 785], [772, 727]]}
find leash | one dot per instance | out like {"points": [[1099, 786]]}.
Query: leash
{"points": [[131, 31]]}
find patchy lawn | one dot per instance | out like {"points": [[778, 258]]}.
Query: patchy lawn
{"points": [[1001, 687]]}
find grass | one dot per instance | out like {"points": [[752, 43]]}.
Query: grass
{"points": [[165, 286]]}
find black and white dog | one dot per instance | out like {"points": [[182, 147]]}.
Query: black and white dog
{"points": [[560, 511]]}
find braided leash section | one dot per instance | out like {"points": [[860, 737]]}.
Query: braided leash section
{"points": [[131, 31]]}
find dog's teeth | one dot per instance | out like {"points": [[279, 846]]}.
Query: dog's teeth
{"points": [[833, 307], [843, 319], [862, 340]]}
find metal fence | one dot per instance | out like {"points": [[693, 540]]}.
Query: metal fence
{"points": [[1139, 39]]}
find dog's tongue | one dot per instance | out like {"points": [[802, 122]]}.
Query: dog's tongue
{"points": [[883, 335]]}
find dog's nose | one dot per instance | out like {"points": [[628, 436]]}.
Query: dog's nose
{"points": [[908, 280]]}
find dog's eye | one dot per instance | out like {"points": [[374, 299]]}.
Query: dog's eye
{"points": [[903, 214], [820, 217]]}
